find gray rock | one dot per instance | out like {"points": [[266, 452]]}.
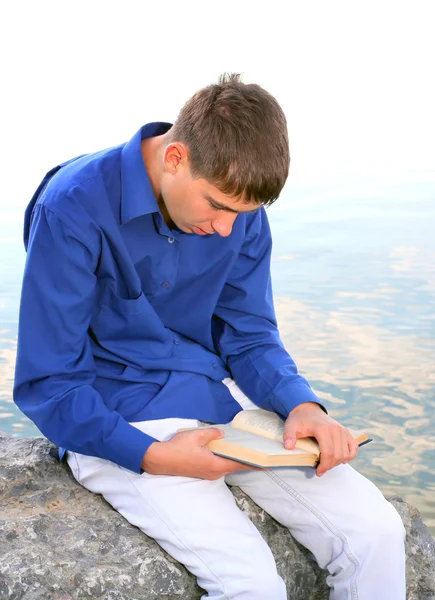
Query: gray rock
{"points": [[60, 542]]}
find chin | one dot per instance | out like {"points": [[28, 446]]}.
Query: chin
{"points": [[183, 228]]}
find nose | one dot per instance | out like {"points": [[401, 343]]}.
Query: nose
{"points": [[224, 224]]}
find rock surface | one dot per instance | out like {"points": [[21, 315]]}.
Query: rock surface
{"points": [[60, 542]]}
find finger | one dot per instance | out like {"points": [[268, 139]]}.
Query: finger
{"points": [[326, 445], [346, 439], [244, 467], [339, 453], [338, 440], [235, 465], [353, 448], [226, 465]]}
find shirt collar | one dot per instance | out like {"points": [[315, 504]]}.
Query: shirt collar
{"points": [[137, 196]]}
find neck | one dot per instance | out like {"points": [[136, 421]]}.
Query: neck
{"points": [[152, 150]]}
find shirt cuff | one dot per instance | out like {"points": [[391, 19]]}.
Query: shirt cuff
{"points": [[128, 445], [287, 397]]}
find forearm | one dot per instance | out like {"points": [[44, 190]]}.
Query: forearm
{"points": [[55, 369], [73, 415], [269, 377]]}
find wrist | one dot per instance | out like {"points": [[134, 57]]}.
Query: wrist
{"points": [[153, 457], [306, 406]]}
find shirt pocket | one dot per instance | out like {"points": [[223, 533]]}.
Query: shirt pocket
{"points": [[124, 306], [130, 328]]}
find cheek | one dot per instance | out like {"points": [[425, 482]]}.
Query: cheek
{"points": [[196, 209], [205, 215], [174, 198]]}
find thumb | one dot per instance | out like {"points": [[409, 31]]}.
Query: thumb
{"points": [[210, 433], [289, 438]]}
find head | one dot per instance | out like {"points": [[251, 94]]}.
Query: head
{"points": [[227, 153]]}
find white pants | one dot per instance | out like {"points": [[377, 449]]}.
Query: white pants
{"points": [[341, 517]]}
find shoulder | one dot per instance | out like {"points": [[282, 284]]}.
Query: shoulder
{"points": [[86, 173], [81, 191], [257, 226]]}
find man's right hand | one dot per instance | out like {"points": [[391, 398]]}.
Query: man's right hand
{"points": [[186, 455]]}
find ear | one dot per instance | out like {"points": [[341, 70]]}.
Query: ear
{"points": [[174, 156]]}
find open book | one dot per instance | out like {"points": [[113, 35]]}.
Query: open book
{"points": [[256, 437]]}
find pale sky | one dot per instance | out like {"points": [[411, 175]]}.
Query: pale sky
{"points": [[356, 80]]}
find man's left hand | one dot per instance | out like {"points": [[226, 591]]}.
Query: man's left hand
{"points": [[336, 444]]}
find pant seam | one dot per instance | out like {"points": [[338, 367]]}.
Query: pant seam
{"points": [[284, 485], [125, 472]]}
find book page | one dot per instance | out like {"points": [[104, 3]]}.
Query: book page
{"points": [[248, 440], [261, 422]]}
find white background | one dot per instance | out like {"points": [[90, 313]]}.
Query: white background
{"points": [[355, 79]]}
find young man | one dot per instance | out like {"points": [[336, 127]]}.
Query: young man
{"points": [[147, 307]]}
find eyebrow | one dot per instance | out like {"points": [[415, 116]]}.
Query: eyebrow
{"points": [[223, 206]]}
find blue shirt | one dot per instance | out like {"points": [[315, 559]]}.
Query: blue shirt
{"points": [[124, 320]]}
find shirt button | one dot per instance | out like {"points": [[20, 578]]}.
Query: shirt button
{"points": [[165, 284], [214, 365], [171, 240], [176, 341]]}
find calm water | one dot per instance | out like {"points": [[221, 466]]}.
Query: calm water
{"points": [[354, 284]]}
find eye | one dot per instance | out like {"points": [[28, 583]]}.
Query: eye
{"points": [[213, 206]]}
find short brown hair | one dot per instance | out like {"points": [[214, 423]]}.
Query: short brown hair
{"points": [[236, 136]]}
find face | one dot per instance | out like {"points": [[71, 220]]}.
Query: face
{"points": [[194, 205]]}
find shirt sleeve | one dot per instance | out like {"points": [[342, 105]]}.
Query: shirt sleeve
{"points": [[245, 329], [55, 368]]}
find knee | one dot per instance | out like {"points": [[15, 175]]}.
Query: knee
{"points": [[260, 583], [390, 525], [384, 528]]}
